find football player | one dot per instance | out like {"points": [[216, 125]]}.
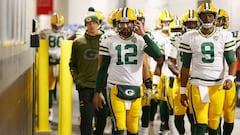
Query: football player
{"points": [[148, 83], [147, 77], [83, 66], [173, 60], [222, 22], [205, 50], [161, 36], [122, 58]]}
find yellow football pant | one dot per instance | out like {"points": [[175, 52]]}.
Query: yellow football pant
{"points": [[122, 117], [229, 104], [208, 113]]}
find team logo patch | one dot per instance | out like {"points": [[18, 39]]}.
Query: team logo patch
{"points": [[89, 19], [90, 54], [216, 38], [130, 92], [134, 40]]}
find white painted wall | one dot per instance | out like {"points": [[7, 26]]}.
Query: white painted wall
{"points": [[78, 8], [233, 9]]}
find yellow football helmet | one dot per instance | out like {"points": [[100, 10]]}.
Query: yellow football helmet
{"points": [[176, 23], [222, 14], [112, 18], [165, 16], [140, 16], [176, 27], [207, 8], [190, 19], [57, 19], [164, 19], [100, 16], [126, 15], [190, 15]]}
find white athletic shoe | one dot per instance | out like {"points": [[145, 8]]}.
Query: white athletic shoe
{"points": [[151, 128], [172, 128], [144, 131]]}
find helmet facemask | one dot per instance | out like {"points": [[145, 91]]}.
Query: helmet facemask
{"points": [[206, 20], [165, 25], [126, 28], [176, 28], [220, 21], [141, 19], [190, 25], [176, 32]]}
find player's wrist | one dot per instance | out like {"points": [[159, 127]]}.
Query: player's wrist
{"points": [[182, 90], [156, 79], [230, 77]]}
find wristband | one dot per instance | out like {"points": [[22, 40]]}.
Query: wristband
{"points": [[230, 77], [156, 79], [182, 90]]}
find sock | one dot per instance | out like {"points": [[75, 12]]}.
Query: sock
{"points": [[119, 132], [145, 116], [227, 128], [212, 131], [179, 123], [128, 133], [200, 129]]}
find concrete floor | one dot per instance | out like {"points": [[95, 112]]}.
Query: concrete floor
{"points": [[76, 130]]}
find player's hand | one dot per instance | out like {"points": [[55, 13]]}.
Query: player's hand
{"points": [[139, 29], [97, 101], [227, 84], [184, 100]]}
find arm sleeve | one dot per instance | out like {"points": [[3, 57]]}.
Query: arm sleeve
{"points": [[186, 59], [230, 56], [102, 74], [151, 48]]}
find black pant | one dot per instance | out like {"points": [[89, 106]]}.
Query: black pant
{"points": [[86, 110], [101, 117]]}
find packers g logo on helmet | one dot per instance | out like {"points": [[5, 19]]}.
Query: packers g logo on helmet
{"points": [[125, 15], [57, 19]]}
